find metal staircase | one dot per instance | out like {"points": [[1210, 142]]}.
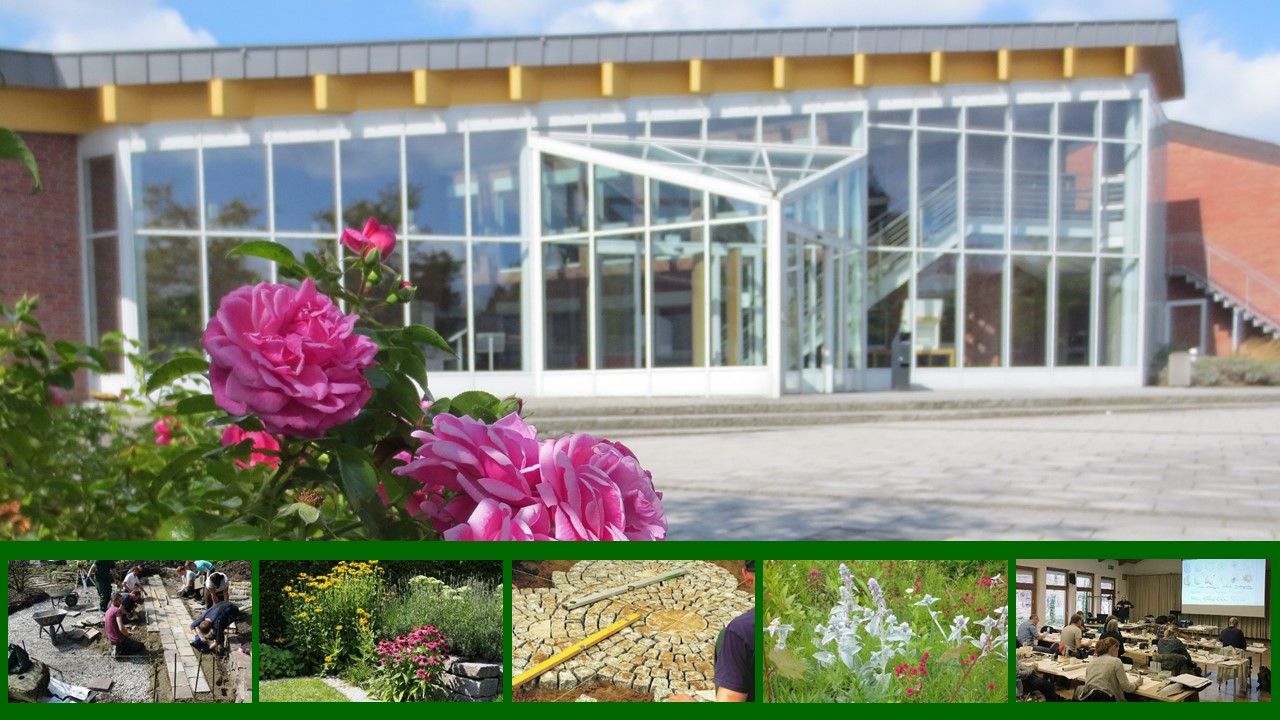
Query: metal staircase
{"points": [[1229, 280]]}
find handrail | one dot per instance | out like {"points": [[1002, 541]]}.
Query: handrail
{"points": [[1196, 256]]}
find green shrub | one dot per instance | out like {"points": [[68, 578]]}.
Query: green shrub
{"points": [[331, 617], [1238, 370], [278, 662], [410, 665], [469, 613]]}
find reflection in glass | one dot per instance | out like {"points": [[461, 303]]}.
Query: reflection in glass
{"points": [[301, 246], [1118, 314], [737, 294], [1029, 311], [835, 128], [105, 291], [434, 167], [620, 307], [619, 199], [170, 276], [371, 182], [165, 190], [1075, 195], [676, 129], [889, 188], [1121, 119], [101, 173], [304, 187], [619, 129], [496, 285], [564, 195], [679, 312], [235, 187], [495, 181], [670, 203], [566, 299], [726, 207], [1121, 172], [986, 118], [786, 130], [438, 270], [230, 273], [891, 117], [738, 129], [983, 321], [939, 194], [935, 333], [1077, 118], [984, 192], [1075, 294], [1032, 118], [938, 117], [888, 278], [1031, 193]]}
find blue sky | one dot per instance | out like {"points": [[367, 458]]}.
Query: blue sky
{"points": [[1231, 48]]}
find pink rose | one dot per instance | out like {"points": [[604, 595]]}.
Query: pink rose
{"points": [[464, 458], [289, 356], [585, 503], [642, 504], [57, 396], [493, 520], [374, 235], [233, 435], [165, 427]]}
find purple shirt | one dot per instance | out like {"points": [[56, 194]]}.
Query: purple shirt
{"points": [[109, 624], [736, 661]]}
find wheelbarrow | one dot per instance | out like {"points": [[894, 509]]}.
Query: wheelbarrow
{"points": [[50, 622], [67, 596]]}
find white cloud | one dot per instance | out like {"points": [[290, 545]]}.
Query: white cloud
{"points": [[1228, 92], [1085, 10], [77, 25]]}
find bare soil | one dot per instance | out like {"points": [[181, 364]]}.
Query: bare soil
{"points": [[601, 691]]}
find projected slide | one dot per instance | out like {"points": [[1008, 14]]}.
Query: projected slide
{"points": [[1224, 587]]}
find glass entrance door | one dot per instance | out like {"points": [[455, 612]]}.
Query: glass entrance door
{"points": [[810, 285]]}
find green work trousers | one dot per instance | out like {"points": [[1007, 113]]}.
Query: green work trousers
{"points": [[104, 593]]}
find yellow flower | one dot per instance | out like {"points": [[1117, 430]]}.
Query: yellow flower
{"points": [[339, 627], [328, 658], [302, 614], [288, 588]]}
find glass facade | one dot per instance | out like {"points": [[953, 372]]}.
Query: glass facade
{"points": [[987, 237]]}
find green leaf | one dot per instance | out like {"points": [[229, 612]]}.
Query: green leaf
{"points": [[360, 484], [786, 664], [13, 148], [308, 514], [174, 369], [180, 463], [476, 403], [403, 397], [273, 251], [237, 532], [195, 404], [423, 335]]}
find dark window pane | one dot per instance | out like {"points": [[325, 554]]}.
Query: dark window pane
{"points": [[889, 188], [235, 187], [786, 130], [619, 129], [101, 172], [1077, 118], [496, 282], [676, 129], [835, 128], [673, 203], [1032, 118], [1029, 310], [1075, 295], [1031, 193], [495, 178], [739, 129], [986, 118], [304, 190], [984, 192], [566, 297], [939, 117], [983, 290], [371, 182], [939, 193], [437, 197], [228, 274], [738, 294], [727, 207], [890, 117], [619, 199], [888, 280], [164, 190], [564, 195], [106, 292], [170, 276], [438, 270], [1075, 195], [1122, 119], [678, 307]]}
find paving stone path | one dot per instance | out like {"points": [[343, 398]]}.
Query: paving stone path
{"points": [[170, 617], [670, 649]]}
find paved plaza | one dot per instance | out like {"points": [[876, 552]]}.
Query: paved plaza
{"points": [[1196, 474]]}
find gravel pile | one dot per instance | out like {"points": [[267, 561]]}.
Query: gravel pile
{"points": [[79, 663]]}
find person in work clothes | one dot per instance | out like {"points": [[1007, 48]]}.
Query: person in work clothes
{"points": [[102, 573], [211, 627]]}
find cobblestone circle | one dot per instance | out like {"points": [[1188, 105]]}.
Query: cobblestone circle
{"points": [[669, 650]]}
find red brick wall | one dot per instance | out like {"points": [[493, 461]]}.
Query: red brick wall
{"points": [[40, 236]]}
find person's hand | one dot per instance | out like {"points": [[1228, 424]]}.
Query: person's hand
{"points": [[682, 697]]}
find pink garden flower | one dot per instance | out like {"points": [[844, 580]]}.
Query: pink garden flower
{"points": [[165, 428], [374, 235], [597, 490], [233, 435], [289, 356], [492, 520]]}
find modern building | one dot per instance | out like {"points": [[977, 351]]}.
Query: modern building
{"points": [[1223, 243], [680, 213]]}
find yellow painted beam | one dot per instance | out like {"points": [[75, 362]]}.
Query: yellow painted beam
{"points": [[230, 98], [1130, 60], [124, 104], [1002, 65], [54, 111], [699, 76], [524, 84], [571, 652], [334, 93], [430, 88], [783, 73], [860, 70], [936, 66], [613, 80], [1068, 62]]}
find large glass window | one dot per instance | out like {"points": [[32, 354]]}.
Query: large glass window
{"points": [[619, 199], [736, 129], [495, 182], [670, 203], [165, 194], [437, 184], [235, 188], [983, 310], [889, 188], [497, 272], [984, 191], [566, 292], [170, 275], [1106, 595], [303, 180], [888, 278], [679, 311], [1075, 196], [101, 173], [1055, 611], [438, 269], [1029, 311], [230, 273], [103, 251], [1118, 313], [1032, 187], [1075, 294], [564, 195], [1024, 594], [621, 307], [787, 129], [1121, 193], [935, 310], [738, 294], [371, 182], [1084, 593], [1077, 118], [939, 192]]}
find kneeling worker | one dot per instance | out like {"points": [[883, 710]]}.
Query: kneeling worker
{"points": [[211, 627], [217, 589], [113, 624]]}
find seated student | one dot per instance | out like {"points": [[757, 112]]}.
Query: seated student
{"points": [[217, 589], [1028, 635], [187, 577], [1105, 679], [1112, 630], [1073, 636], [1032, 682], [1170, 644], [1232, 635], [211, 627], [117, 634], [132, 581]]}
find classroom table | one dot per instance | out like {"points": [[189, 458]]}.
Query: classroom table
{"points": [[1149, 689]]}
